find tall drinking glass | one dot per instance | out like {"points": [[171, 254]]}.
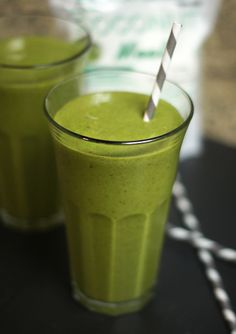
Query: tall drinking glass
{"points": [[116, 194], [35, 53]]}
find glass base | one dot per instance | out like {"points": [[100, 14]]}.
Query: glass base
{"points": [[31, 225], [110, 308]]}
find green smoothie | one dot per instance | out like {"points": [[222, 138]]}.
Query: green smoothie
{"points": [[116, 197], [29, 67]]}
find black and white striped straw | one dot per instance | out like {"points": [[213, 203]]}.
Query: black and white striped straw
{"points": [[201, 242], [162, 72], [204, 248]]}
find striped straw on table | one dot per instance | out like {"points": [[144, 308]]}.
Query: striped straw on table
{"points": [[162, 72], [204, 249], [201, 242]]}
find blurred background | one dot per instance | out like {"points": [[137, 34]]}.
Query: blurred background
{"points": [[132, 35]]}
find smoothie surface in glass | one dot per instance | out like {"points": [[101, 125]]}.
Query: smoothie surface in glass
{"points": [[36, 50], [116, 202], [116, 116], [28, 180]]}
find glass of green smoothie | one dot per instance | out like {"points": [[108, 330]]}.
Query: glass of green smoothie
{"points": [[35, 53], [116, 174]]}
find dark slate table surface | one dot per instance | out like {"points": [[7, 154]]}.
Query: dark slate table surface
{"points": [[35, 296]]}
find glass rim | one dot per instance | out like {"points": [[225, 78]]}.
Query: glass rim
{"points": [[118, 142], [51, 64]]}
